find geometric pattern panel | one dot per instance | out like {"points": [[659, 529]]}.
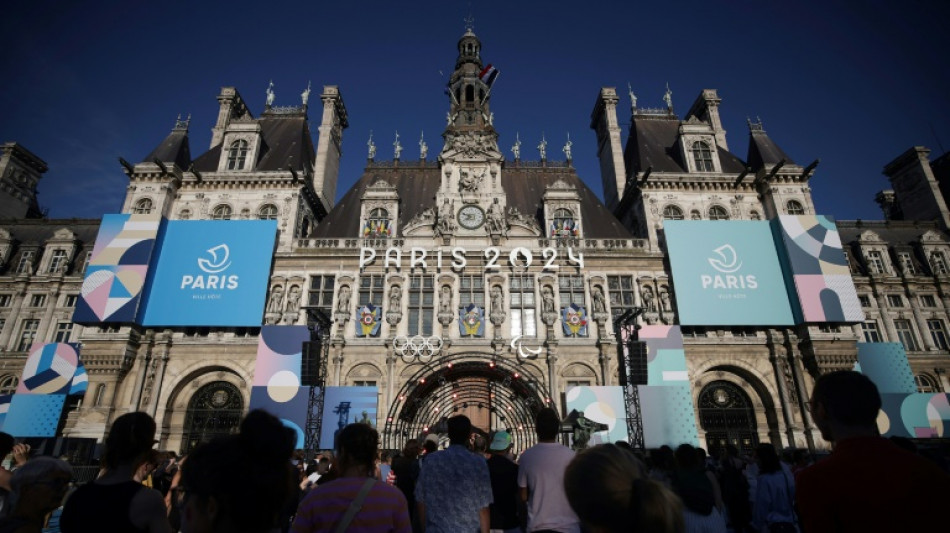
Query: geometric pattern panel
{"points": [[346, 405], [279, 358], [291, 409], [34, 415], [80, 382], [668, 416], [604, 405], [5, 400], [49, 369], [116, 273], [666, 358], [917, 415], [885, 363], [816, 261]]}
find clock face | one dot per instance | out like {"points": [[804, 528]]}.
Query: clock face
{"points": [[471, 217]]}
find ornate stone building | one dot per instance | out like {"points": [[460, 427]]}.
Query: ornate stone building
{"points": [[473, 282]]}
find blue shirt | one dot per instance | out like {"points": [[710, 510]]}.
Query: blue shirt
{"points": [[454, 485]]}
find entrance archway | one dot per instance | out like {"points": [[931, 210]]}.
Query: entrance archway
{"points": [[215, 410], [727, 417], [494, 393]]}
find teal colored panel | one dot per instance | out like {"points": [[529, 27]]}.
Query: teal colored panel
{"points": [[668, 416], [885, 363]]}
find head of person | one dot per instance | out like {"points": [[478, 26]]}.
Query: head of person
{"points": [[460, 428], [357, 446], [479, 444], [547, 424], [845, 403], [768, 458], [130, 441], [412, 449], [240, 482], [430, 446], [609, 490], [687, 458], [500, 443], [39, 486]]}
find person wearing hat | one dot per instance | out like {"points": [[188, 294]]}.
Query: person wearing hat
{"points": [[503, 471]]}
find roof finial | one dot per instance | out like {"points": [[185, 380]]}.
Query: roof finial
{"points": [[270, 94], [668, 98], [516, 148], [305, 96], [567, 147], [633, 99], [470, 20], [543, 148], [397, 148], [372, 146], [182, 124], [423, 147]]}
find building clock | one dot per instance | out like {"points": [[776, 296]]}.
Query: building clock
{"points": [[471, 217]]}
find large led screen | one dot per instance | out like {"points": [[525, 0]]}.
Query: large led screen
{"points": [[211, 273]]}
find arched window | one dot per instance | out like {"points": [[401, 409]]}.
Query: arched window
{"points": [[221, 212], [214, 411], [727, 416], [267, 212], [8, 384], [470, 94], [794, 207], [563, 224], [702, 157], [672, 212], [184, 214], [378, 225], [237, 155], [143, 207], [717, 212], [926, 384]]}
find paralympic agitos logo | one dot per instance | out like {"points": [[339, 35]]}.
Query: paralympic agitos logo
{"points": [[727, 261], [219, 261]]}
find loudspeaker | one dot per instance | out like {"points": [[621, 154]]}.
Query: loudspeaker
{"points": [[310, 364], [633, 363]]}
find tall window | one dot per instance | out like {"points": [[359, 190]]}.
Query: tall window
{"points": [[871, 333], [221, 212], [237, 155], [267, 212], [875, 262], [38, 300], [702, 156], [5, 300], [906, 262], [371, 290], [70, 300], [143, 207], [717, 212], [85, 261], [938, 331], [421, 305], [938, 262], [523, 307], [905, 334], [28, 334], [321, 293], [25, 265], [926, 384], [622, 292], [63, 331], [928, 300], [794, 207], [472, 291], [672, 212], [865, 300], [57, 263], [895, 300]]}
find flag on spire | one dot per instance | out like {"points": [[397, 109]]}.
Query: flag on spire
{"points": [[488, 75]]}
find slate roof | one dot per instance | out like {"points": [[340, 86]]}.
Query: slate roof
{"points": [[894, 233], [174, 149], [763, 151], [653, 143], [285, 141], [417, 185]]}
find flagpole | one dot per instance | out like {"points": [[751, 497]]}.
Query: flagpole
{"points": [[497, 75]]}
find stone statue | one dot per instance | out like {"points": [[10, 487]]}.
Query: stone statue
{"points": [[343, 300], [633, 99], [497, 301], [270, 94], [293, 299], [665, 301], [397, 148], [305, 96], [372, 146], [276, 296], [423, 147], [547, 300], [516, 149], [496, 218], [448, 118], [567, 147], [445, 300], [543, 148], [468, 181], [491, 118], [395, 298], [668, 97], [648, 304], [597, 295]]}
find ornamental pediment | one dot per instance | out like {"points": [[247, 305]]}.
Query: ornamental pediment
{"points": [[931, 236], [869, 236]]}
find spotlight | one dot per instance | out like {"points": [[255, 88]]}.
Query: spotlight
{"points": [[426, 429], [491, 365], [450, 365], [422, 380], [517, 375]]}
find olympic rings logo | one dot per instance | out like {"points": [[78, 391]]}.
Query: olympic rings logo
{"points": [[417, 346]]}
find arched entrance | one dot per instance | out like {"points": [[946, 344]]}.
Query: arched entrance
{"points": [[215, 410], [493, 393], [726, 415]]}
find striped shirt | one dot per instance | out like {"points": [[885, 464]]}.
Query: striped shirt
{"points": [[383, 510]]}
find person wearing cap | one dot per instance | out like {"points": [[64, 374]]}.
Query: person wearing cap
{"points": [[503, 471]]}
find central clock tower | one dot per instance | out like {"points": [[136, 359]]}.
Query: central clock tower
{"points": [[470, 202]]}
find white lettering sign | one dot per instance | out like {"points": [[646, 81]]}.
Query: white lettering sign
{"points": [[519, 257]]}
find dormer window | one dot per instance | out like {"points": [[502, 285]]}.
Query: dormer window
{"points": [[563, 224], [221, 212], [702, 157], [143, 207], [717, 212], [378, 225], [237, 155], [57, 263], [267, 212], [671, 212], [794, 207]]}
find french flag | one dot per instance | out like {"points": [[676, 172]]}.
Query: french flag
{"points": [[488, 75]]}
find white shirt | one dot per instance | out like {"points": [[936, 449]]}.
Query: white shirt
{"points": [[541, 471]]}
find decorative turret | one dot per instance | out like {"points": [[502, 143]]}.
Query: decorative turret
{"points": [[469, 88]]}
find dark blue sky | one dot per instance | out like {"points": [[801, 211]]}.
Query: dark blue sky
{"points": [[854, 84]]}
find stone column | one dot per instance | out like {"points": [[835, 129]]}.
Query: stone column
{"points": [[159, 375], [143, 360], [795, 359], [779, 374], [921, 323], [552, 369], [42, 332], [391, 373], [886, 317], [16, 308]]}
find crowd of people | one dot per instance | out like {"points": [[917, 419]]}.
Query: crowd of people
{"points": [[250, 482]]}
